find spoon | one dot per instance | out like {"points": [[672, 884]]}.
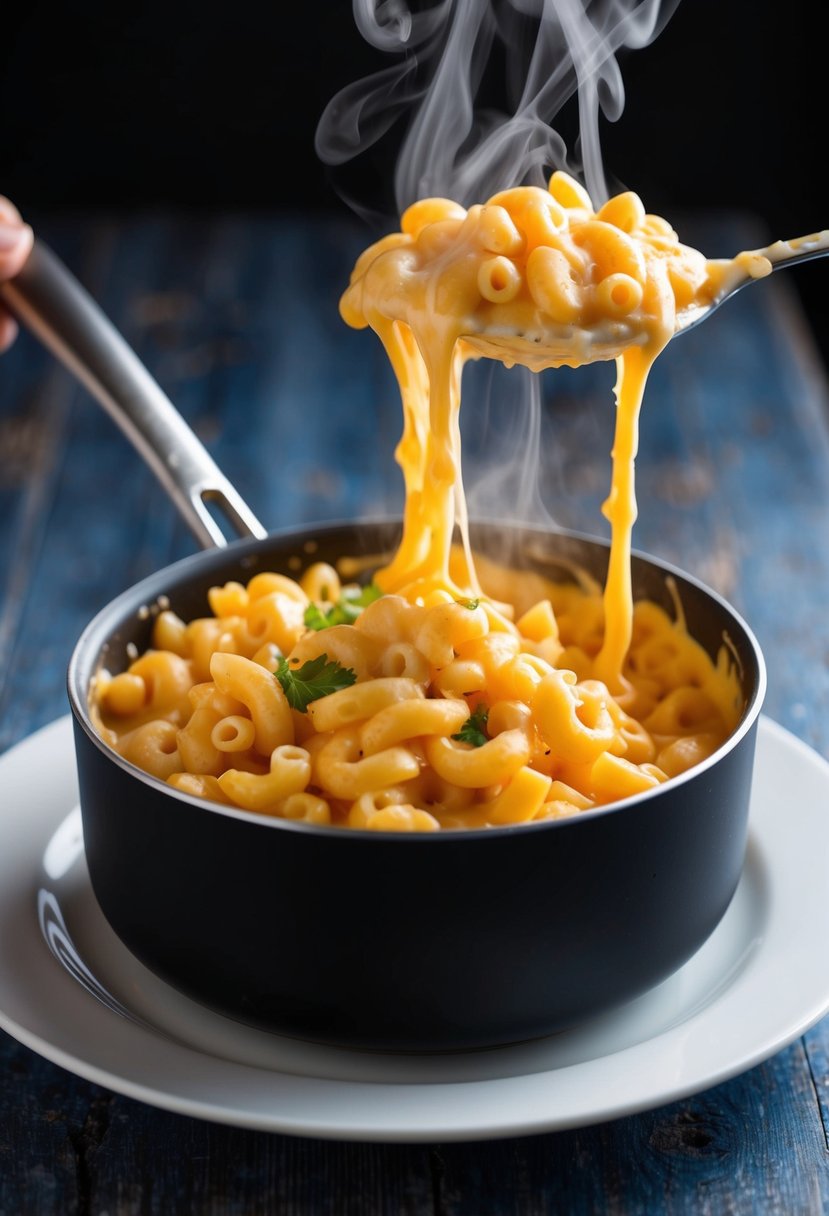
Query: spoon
{"points": [[51, 302], [779, 254], [573, 345]]}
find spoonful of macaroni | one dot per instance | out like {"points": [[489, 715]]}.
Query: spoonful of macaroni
{"points": [[539, 277]]}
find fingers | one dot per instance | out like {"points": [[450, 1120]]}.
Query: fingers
{"points": [[8, 211], [8, 330], [15, 240], [15, 245]]}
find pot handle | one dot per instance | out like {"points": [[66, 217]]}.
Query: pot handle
{"points": [[49, 300]]}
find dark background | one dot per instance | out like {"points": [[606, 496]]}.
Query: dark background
{"points": [[201, 106]]}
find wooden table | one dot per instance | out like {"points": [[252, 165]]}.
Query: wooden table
{"points": [[237, 318]]}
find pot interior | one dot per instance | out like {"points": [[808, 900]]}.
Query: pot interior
{"points": [[124, 627]]}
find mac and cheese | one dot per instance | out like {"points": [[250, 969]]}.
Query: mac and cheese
{"points": [[462, 714], [456, 693]]}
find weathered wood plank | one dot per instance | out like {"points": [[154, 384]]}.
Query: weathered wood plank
{"points": [[751, 1145]]}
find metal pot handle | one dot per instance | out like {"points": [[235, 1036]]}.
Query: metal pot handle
{"points": [[48, 300]]}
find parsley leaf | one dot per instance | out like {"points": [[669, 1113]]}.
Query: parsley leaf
{"points": [[315, 678], [474, 728], [345, 611], [315, 617]]}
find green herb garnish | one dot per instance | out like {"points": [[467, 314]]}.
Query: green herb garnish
{"points": [[316, 678], [474, 728], [316, 618], [345, 611]]}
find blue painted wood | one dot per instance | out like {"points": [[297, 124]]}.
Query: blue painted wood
{"points": [[237, 317]]}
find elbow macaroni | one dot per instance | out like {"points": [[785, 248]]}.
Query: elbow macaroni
{"points": [[385, 754], [535, 277], [578, 697]]}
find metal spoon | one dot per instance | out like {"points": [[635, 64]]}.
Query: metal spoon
{"points": [[572, 345], [780, 254], [47, 298]]}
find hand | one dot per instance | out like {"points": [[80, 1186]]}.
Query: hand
{"points": [[15, 243]]}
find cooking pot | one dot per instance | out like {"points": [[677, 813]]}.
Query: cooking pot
{"points": [[414, 942]]}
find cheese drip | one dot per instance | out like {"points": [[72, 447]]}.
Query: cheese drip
{"points": [[534, 277], [469, 694]]}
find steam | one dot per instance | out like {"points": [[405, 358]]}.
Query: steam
{"points": [[547, 62], [506, 418], [549, 52]]}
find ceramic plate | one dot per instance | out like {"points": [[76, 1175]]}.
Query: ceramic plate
{"points": [[73, 993]]}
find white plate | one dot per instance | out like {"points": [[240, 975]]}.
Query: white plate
{"points": [[73, 993]]}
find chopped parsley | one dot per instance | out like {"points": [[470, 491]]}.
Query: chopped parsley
{"points": [[474, 728], [345, 611], [316, 617], [315, 678]]}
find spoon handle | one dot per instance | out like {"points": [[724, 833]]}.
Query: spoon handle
{"points": [[48, 300], [798, 249]]}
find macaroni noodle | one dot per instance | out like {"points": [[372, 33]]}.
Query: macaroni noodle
{"points": [[401, 753], [456, 694]]}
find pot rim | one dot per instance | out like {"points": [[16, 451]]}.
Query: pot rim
{"points": [[80, 670]]}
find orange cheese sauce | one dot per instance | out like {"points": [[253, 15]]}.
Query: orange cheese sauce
{"points": [[477, 696], [532, 277], [202, 710]]}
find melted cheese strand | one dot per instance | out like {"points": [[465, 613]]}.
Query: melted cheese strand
{"points": [[532, 277], [457, 707]]}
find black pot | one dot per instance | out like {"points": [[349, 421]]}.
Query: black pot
{"points": [[428, 941], [424, 942]]}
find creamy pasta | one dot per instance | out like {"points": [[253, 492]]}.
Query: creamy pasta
{"points": [[535, 277], [453, 693], [461, 713]]}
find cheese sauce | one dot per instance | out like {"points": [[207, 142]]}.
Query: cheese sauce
{"points": [[532, 277], [455, 693]]}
